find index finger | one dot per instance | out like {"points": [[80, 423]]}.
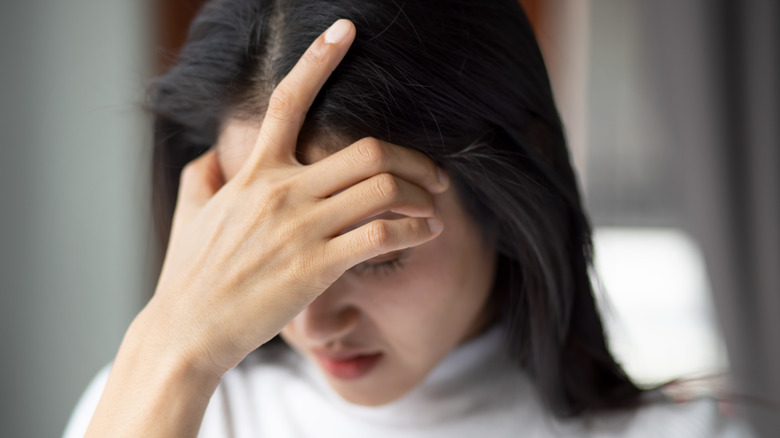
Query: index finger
{"points": [[292, 98]]}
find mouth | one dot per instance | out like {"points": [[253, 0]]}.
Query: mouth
{"points": [[347, 365]]}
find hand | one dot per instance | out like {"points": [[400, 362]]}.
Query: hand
{"points": [[247, 255]]}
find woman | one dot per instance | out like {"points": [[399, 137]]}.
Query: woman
{"points": [[396, 200]]}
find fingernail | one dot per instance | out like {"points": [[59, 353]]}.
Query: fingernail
{"points": [[337, 31], [435, 224], [444, 179]]}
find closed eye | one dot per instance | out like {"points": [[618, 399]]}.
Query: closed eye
{"points": [[385, 264]]}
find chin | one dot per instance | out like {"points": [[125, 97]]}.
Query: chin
{"points": [[367, 395]]}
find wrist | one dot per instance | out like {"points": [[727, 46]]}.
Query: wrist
{"points": [[151, 343], [152, 390]]}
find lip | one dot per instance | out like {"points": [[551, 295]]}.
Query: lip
{"points": [[347, 364]]}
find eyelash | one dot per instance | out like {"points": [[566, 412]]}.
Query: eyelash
{"points": [[386, 267]]}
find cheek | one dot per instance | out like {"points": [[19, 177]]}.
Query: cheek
{"points": [[456, 284], [413, 294], [430, 303], [440, 296]]}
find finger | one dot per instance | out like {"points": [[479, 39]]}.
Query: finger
{"points": [[292, 98], [369, 157], [380, 237], [376, 195]]}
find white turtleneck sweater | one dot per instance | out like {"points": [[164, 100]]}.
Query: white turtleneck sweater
{"points": [[474, 392]]}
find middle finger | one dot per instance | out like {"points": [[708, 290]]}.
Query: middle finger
{"points": [[374, 196], [368, 157]]}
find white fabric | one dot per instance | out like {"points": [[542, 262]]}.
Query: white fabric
{"points": [[474, 392]]}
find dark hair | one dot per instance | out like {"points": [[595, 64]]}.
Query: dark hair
{"points": [[464, 82]]}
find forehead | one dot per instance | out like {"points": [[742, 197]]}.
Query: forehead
{"points": [[238, 137]]}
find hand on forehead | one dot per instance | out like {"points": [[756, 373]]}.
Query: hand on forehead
{"points": [[238, 137]]}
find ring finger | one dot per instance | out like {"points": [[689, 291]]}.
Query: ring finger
{"points": [[376, 195]]}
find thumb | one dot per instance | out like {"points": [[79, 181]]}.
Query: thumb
{"points": [[200, 180]]}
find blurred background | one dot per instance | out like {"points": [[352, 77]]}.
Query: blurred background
{"points": [[672, 115]]}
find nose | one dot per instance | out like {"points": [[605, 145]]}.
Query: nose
{"points": [[330, 317]]}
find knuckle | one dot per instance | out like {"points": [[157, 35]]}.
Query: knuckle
{"points": [[378, 235], [276, 194], [386, 186], [281, 104], [272, 200], [372, 152]]}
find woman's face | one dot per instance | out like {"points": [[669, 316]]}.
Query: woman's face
{"points": [[386, 323]]}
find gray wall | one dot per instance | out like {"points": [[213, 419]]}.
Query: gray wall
{"points": [[73, 229]]}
